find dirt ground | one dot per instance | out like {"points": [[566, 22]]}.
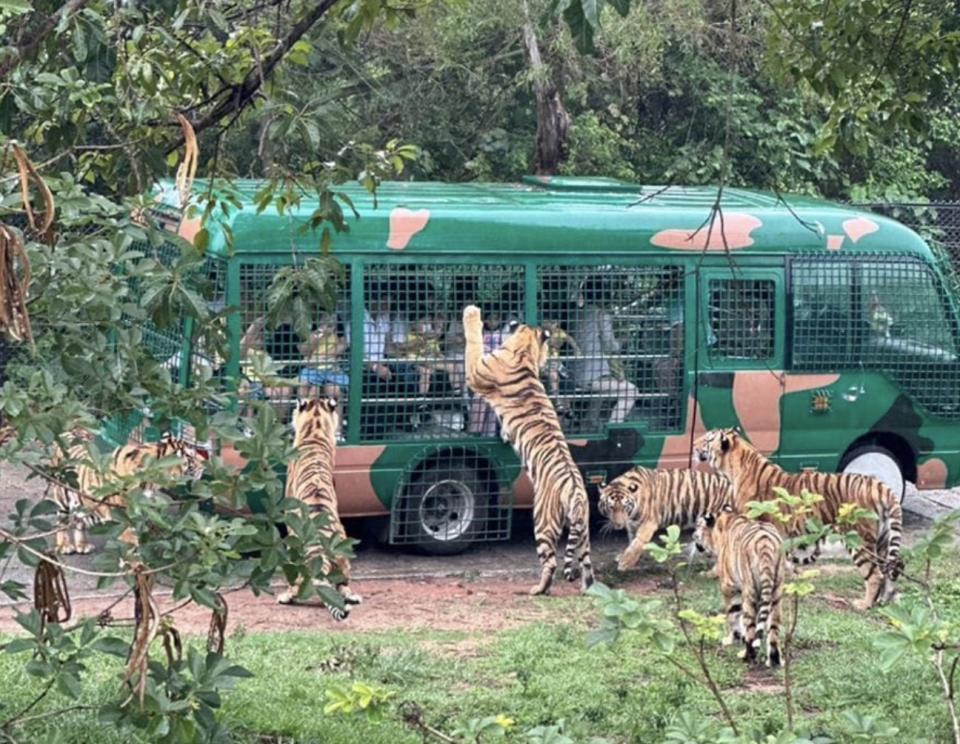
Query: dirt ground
{"points": [[484, 588]]}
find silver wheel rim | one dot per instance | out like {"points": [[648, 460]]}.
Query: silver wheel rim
{"points": [[446, 510], [880, 466]]}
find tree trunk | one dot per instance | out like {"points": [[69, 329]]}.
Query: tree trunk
{"points": [[553, 121]]}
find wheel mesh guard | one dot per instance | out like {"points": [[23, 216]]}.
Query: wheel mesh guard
{"points": [[427, 500]]}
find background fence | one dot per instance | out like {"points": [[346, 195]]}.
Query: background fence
{"points": [[937, 222]]}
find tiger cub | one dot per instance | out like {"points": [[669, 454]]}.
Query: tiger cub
{"points": [[645, 501], [750, 567], [310, 480], [508, 378], [84, 506], [753, 478]]}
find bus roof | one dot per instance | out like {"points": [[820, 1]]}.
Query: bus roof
{"points": [[555, 216]]}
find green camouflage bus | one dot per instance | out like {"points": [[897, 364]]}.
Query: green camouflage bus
{"points": [[827, 334]]}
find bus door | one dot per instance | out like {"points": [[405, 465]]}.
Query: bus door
{"points": [[739, 364]]}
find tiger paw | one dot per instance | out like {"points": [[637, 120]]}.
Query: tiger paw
{"points": [[472, 320], [339, 615], [285, 598], [773, 657], [571, 572], [66, 550], [84, 549], [352, 599], [862, 605]]}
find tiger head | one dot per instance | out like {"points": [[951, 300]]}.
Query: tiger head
{"points": [[193, 457], [710, 530], [529, 346], [620, 500], [722, 449], [315, 418]]}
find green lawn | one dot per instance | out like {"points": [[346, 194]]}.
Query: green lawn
{"points": [[542, 673]]}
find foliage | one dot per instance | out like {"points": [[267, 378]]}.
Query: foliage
{"points": [[90, 89], [919, 627]]}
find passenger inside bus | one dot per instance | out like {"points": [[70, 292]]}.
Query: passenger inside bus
{"points": [[599, 369]]}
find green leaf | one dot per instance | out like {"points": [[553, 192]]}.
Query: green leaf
{"points": [[69, 685], [113, 646], [17, 6], [621, 6], [580, 28]]}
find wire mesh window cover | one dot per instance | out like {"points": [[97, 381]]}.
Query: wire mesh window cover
{"points": [[317, 365], [874, 314], [741, 314], [451, 497], [413, 382], [617, 344]]}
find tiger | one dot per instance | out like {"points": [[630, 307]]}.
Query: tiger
{"points": [[83, 507], [508, 378], [645, 501], [310, 480], [753, 478], [751, 571]]}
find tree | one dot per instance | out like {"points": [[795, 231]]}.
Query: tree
{"points": [[103, 98]]}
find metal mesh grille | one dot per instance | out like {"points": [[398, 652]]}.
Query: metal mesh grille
{"points": [[617, 344], [452, 497], [937, 222], [741, 319], [163, 344], [317, 365], [413, 375], [877, 314]]}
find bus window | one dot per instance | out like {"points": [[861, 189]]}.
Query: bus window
{"points": [[822, 320], [413, 376], [617, 338], [876, 314], [741, 319], [304, 366], [906, 331]]}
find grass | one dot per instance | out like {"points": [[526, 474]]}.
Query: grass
{"points": [[541, 673]]}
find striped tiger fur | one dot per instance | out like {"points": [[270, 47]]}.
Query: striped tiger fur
{"points": [[750, 569], [97, 494], [508, 378], [310, 480], [645, 501], [753, 478]]}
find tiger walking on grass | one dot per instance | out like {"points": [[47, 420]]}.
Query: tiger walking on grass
{"points": [[753, 478], [750, 569], [508, 378], [310, 480]]}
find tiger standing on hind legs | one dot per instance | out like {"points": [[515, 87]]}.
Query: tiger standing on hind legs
{"points": [[508, 378], [753, 478], [310, 480]]}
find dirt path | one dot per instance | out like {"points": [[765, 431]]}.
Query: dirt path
{"points": [[484, 588]]}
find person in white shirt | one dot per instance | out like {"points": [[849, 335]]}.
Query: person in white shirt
{"points": [[593, 371]]}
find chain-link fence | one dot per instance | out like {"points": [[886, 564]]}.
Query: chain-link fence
{"points": [[936, 222]]}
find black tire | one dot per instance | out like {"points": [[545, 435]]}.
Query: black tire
{"points": [[885, 462], [445, 509]]}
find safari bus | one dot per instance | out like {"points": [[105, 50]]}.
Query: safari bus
{"points": [[828, 335]]}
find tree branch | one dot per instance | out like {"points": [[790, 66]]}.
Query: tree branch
{"points": [[29, 45], [240, 95]]}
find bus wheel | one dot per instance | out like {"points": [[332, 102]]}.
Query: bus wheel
{"points": [[445, 508], [877, 462]]}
